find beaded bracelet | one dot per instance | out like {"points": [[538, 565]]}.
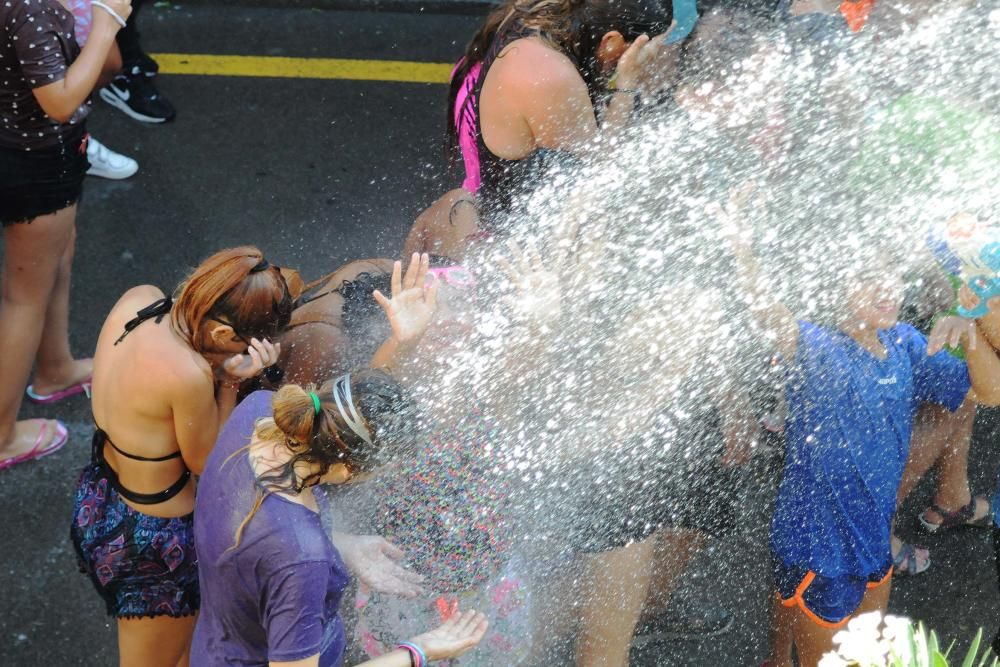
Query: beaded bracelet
{"points": [[417, 657]]}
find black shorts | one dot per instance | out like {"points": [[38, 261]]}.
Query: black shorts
{"points": [[41, 182], [639, 489]]}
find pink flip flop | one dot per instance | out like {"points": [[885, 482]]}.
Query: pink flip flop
{"points": [[37, 452], [72, 390]]}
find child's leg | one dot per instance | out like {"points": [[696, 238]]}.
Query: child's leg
{"points": [[618, 583], [812, 641], [780, 634], [953, 467], [932, 429], [675, 547]]}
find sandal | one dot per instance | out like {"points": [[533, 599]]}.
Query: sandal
{"points": [[81, 387], [37, 451], [963, 516], [907, 561]]}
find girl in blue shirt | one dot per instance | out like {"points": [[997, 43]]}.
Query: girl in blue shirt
{"points": [[853, 390]]}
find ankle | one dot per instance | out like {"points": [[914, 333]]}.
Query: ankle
{"points": [[953, 501]]}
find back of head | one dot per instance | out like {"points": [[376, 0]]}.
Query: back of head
{"points": [[237, 287], [360, 422]]}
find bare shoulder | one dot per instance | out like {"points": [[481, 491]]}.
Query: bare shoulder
{"points": [[138, 297], [533, 62]]}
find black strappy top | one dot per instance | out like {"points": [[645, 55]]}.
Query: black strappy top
{"points": [[158, 309], [503, 181]]}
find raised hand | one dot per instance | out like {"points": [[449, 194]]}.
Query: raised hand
{"points": [[259, 355], [538, 299], [457, 635], [412, 305], [375, 562]]}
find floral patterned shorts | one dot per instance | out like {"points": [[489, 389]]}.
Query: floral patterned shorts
{"points": [[141, 565]]}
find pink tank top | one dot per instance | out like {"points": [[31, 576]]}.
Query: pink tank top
{"points": [[465, 125]]}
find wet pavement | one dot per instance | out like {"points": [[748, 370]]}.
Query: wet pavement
{"points": [[317, 173]]}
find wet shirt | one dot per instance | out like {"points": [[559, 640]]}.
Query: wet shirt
{"points": [[276, 596], [36, 48], [848, 437]]}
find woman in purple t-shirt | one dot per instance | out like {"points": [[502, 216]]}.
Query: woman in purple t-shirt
{"points": [[45, 84], [271, 578]]}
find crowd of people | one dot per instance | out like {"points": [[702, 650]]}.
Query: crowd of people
{"points": [[211, 517]]}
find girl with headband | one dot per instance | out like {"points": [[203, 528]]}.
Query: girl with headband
{"points": [[166, 376], [258, 527]]}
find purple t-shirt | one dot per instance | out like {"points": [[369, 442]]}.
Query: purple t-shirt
{"points": [[276, 596]]}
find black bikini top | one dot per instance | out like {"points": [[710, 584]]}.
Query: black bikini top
{"points": [[157, 309]]}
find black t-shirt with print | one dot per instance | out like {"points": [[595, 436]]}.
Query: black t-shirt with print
{"points": [[36, 48]]}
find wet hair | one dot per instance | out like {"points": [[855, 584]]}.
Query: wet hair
{"points": [[574, 27], [359, 307], [325, 439], [237, 287]]}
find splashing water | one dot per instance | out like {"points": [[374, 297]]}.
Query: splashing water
{"points": [[602, 423]]}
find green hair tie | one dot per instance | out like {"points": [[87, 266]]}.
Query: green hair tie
{"points": [[315, 399]]}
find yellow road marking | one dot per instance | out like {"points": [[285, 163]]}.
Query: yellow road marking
{"points": [[303, 68]]}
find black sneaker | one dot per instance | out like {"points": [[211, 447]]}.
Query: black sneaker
{"points": [[684, 619], [136, 95], [147, 65]]}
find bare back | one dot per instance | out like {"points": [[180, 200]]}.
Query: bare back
{"points": [[134, 386], [313, 346]]}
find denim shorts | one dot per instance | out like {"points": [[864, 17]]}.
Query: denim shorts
{"points": [[41, 182]]}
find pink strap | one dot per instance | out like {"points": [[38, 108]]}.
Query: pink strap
{"points": [[465, 125]]}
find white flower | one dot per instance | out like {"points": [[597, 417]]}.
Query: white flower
{"points": [[831, 659], [861, 642]]}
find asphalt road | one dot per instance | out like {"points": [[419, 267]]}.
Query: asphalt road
{"points": [[317, 173]]}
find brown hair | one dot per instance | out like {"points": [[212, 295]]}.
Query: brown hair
{"points": [[235, 286], [573, 27], [322, 440]]}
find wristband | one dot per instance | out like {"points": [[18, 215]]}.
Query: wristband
{"points": [[114, 14], [630, 91], [417, 656]]}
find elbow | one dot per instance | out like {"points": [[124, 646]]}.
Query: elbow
{"points": [[60, 115], [988, 396]]}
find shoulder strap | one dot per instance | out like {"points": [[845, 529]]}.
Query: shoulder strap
{"points": [[157, 309]]}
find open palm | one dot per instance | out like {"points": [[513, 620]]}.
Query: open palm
{"points": [[412, 304], [454, 637]]}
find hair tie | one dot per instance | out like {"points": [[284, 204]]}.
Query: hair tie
{"points": [[315, 399], [262, 265]]}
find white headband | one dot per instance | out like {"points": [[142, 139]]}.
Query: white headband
{"points": [[350, 414]]}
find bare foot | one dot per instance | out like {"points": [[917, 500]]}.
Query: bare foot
{"points": [[74, 373], [26, 435]]}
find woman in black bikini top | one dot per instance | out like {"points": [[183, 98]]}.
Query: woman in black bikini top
{"points": [[166, 376]]}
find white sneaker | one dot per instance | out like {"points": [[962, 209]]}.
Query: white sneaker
{"points": [[108, 164]]}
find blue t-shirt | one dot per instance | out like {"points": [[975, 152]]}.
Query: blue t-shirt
{"points": [[848, 437], [276, 596]]}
